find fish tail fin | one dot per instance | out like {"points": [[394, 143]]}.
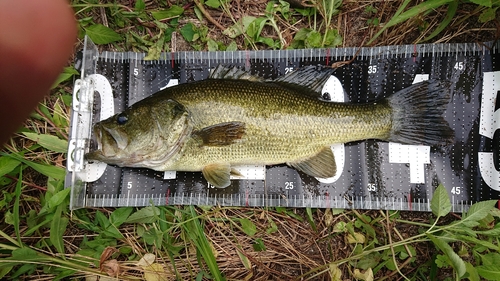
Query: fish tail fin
{"points": [[417, 114]]}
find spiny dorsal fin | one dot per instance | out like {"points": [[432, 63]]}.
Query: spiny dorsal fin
{"points": [[218, 174], [299, 89], [308, 80], [224, 72], [220, 134], [311, 77], [321, 165]]}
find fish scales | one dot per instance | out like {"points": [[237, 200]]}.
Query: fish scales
{"points": [[281, 124]]}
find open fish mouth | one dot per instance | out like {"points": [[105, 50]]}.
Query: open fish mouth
{"points": [[98, 137], [114, 138], [109, 143]]}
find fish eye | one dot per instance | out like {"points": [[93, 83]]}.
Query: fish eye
{"points": [[121, 119]]}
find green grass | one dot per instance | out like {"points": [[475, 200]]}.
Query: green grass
{"points": [[41, 239]]}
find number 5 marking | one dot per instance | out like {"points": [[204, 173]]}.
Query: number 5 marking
{"points": [[489, 123]]}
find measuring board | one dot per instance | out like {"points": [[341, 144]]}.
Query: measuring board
{"points": [[371, 174]]}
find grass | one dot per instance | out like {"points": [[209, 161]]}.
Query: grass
{"points": [[41, 239]]}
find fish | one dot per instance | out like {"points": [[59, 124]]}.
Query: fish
{"points": [[234, 118]]}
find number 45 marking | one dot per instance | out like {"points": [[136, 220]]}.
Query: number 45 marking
{"points": [[459, 65]]}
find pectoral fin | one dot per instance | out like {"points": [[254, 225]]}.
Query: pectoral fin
{"points": [[220, 134], [321, 165], [218, 174]]}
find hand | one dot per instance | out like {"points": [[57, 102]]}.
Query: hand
{"points": [[36, 40]]}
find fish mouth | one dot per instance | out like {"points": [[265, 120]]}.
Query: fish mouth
{"points": [[98, 138], [109, 144], [114, 137]]}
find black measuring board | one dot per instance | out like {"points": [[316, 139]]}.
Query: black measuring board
{"points": [[372, 174]]}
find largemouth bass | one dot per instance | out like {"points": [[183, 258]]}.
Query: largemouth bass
{"points": [[216, 124]]}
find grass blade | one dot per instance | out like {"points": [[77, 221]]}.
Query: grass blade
{"points": [[58, 198], [310, 219], [452, 10], [4, 270], [47, 170], [172, 12], [197, 235], [16, 207], [7, 165], [400, 17], [57, 229], [50, 142]]}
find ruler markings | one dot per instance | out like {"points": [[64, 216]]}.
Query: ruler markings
{"points": [[314, 55]]}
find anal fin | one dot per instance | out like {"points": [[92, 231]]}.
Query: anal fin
{"points": [[321, 165]]}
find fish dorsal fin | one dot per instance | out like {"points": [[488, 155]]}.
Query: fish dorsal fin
{"points": [[321, 165], [311, 77], [220, 134], [299, 89], [219, 174], [224, 72]]}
